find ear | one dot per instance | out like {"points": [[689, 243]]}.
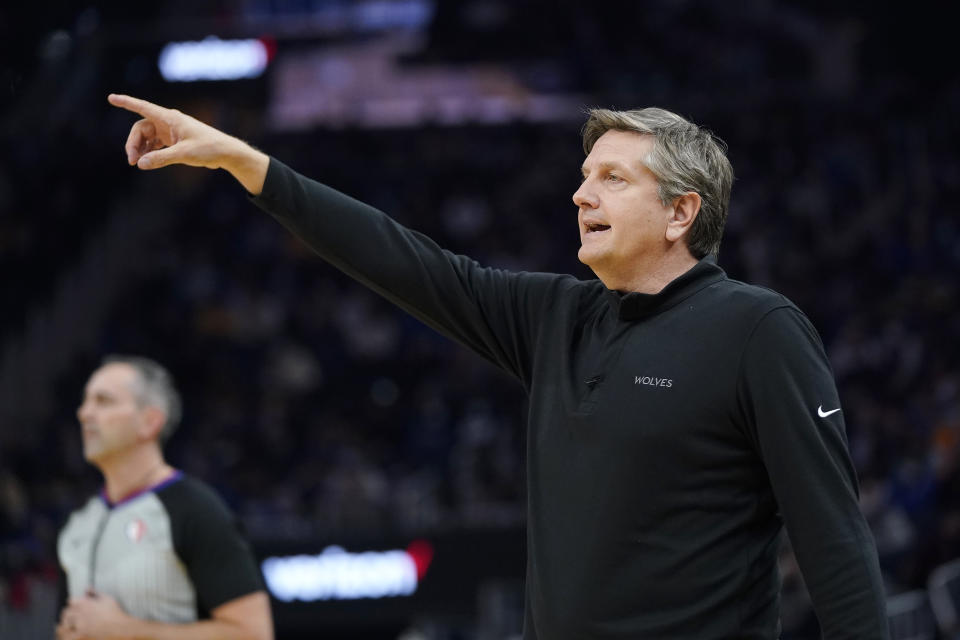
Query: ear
{"points": [[153, 421], [685, 210]]}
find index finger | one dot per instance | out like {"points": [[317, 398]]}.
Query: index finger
{"points": [[144, 108]]}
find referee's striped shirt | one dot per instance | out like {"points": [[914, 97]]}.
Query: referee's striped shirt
{"points": [[171, 553]]}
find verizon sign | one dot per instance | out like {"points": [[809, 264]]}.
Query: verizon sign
{"points": [[337, 574]]}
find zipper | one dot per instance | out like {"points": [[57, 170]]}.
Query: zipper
{"points": [[589, 400]]}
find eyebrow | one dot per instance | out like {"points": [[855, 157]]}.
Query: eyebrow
{"points": [[607, 165], [99, 393]]}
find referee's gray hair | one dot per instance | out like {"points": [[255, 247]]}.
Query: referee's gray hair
{"points": [[154, 388], [684, 158]]}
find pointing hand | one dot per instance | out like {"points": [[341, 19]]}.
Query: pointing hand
{"points": [[167, 136]]}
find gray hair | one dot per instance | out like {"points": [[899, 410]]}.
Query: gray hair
{"points": [[154, 388], [684, 158]]}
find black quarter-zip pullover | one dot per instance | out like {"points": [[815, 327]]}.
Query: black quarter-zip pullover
{"points": [[670, 436]]}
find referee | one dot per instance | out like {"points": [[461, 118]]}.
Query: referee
{"points": [[156, 554], [678, 420]]}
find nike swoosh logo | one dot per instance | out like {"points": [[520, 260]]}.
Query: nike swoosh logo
{"points": [[824, 414]]}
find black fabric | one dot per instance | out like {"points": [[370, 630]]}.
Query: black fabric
{"points": [[207, 538], [669, 435]]}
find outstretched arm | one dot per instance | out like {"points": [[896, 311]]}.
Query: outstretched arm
{"points": [[496, 313], [167, 136]]}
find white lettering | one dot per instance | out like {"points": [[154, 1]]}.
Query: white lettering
{"points": [[653, 382], [336, 574]]}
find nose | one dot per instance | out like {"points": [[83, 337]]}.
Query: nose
{"points": [[586, 196], [84, 412]]}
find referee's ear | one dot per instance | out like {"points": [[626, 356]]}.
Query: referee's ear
{"points": [[152, 425]]}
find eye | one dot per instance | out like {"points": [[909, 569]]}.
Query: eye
{"points": [[612, 177]]}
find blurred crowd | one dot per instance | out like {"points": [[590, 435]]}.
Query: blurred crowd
{"points": [[314, 406]]}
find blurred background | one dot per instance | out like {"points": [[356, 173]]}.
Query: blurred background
{"points": [[329, 420]]}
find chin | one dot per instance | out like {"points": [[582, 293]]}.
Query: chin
{"points": [[584, 256], [590, 258]]}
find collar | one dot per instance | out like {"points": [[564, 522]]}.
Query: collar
{"points": [[170, 479], [636, 306]]}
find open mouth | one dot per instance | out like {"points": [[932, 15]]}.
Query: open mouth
{"points": [[593, 227]]}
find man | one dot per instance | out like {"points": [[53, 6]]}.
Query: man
{"points": [[157, 554], [677, 418]]}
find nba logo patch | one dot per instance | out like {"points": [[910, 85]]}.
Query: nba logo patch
{"points": [[136, 530]]}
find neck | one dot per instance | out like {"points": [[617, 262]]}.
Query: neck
{"points": [[651, 278], [134, 471]]}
